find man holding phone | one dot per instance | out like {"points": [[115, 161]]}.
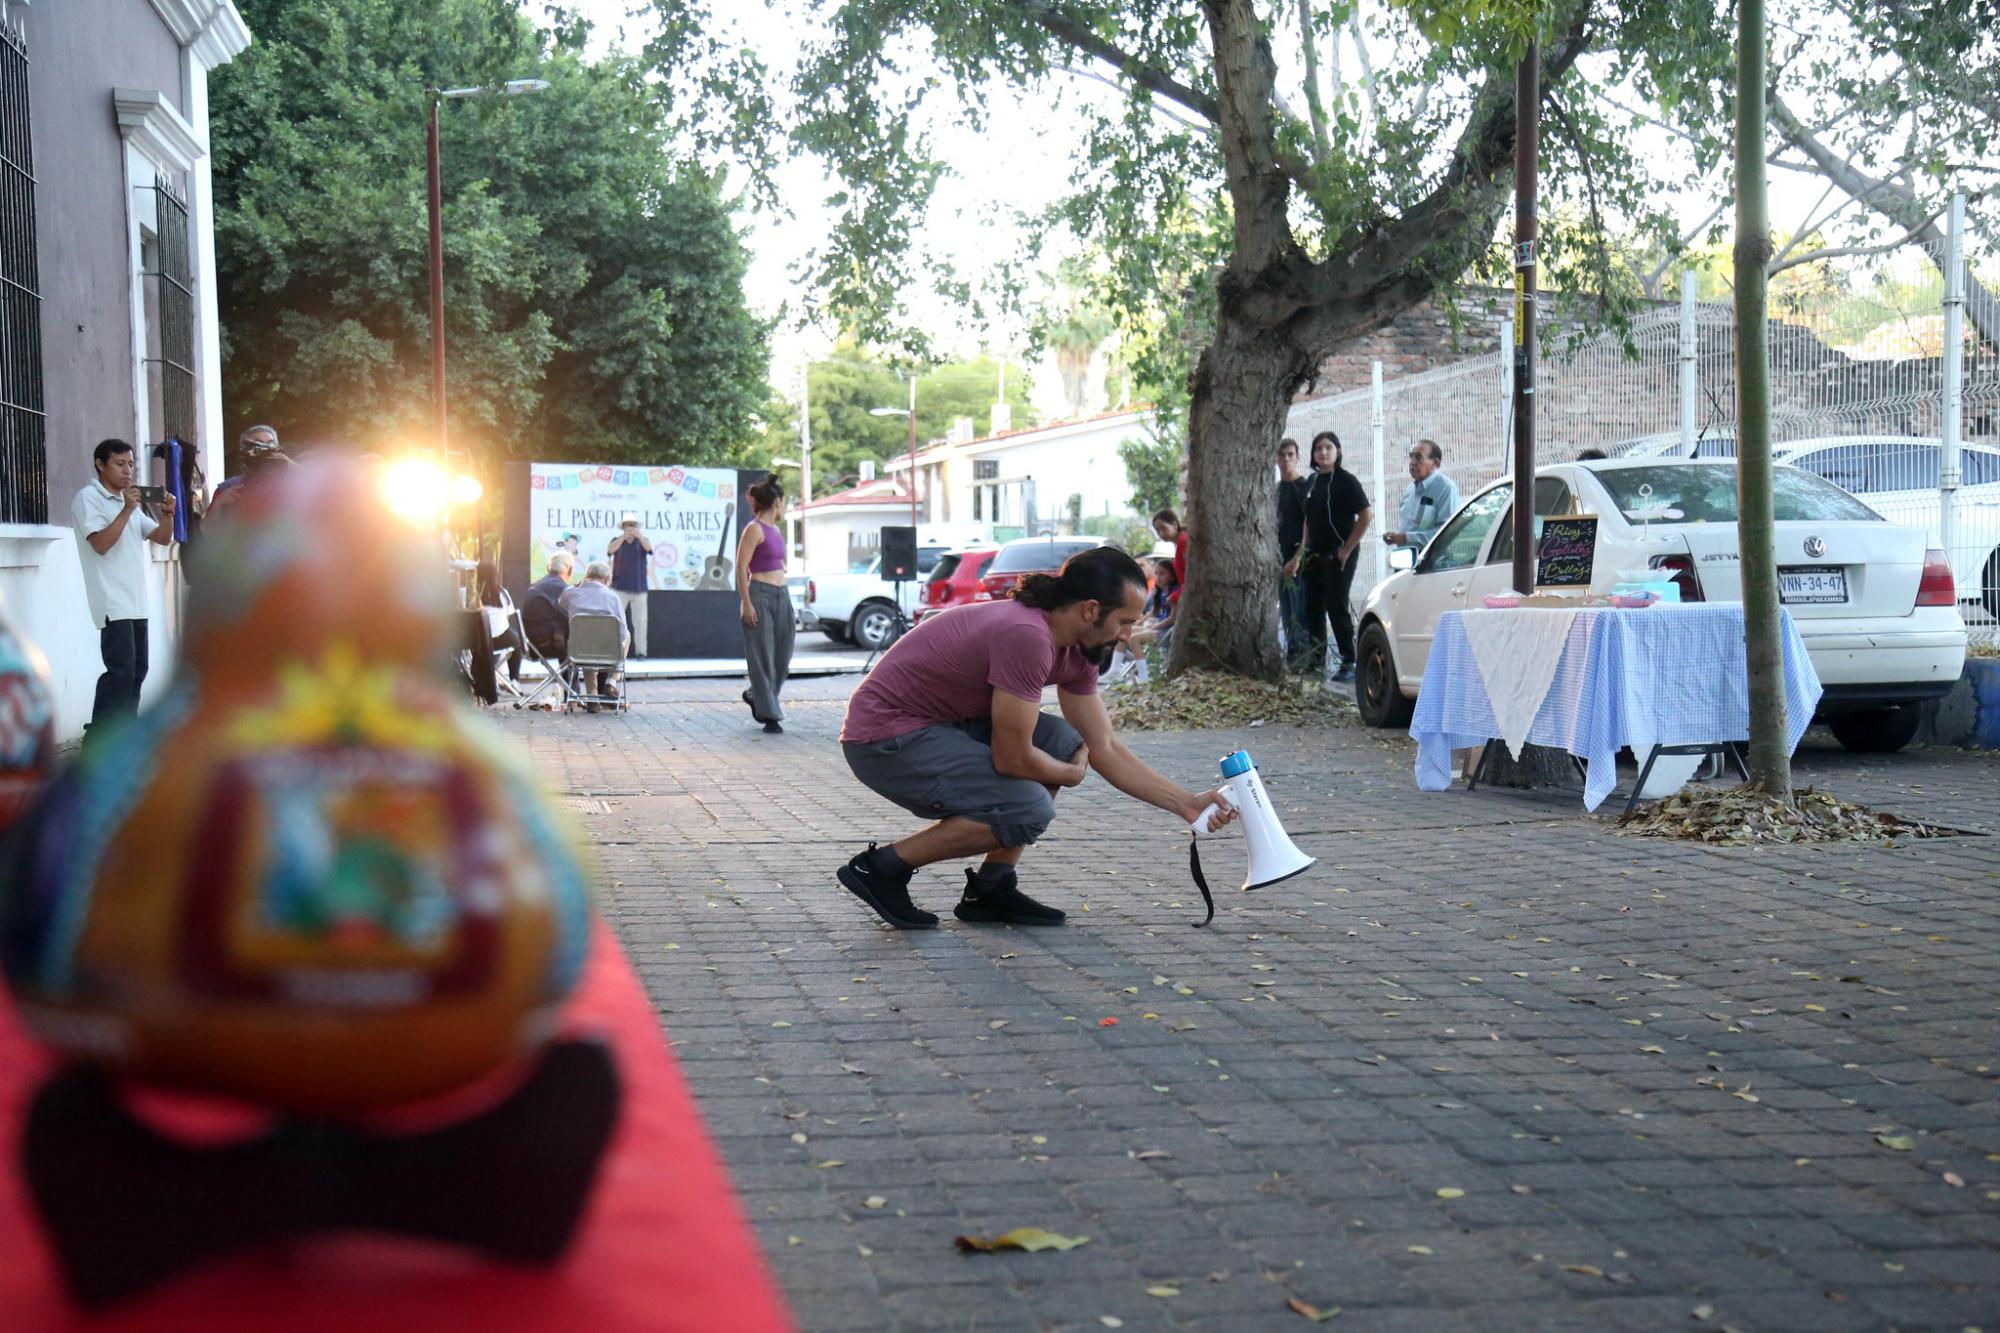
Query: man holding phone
{"points": [[111, 532]]}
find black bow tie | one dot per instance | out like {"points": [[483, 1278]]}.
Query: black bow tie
{"points": [[128, 1208]]}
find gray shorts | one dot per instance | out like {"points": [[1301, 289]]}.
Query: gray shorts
{"points": [[947, 769]]}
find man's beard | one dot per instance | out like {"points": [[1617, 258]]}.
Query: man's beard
{"points": [[1101, 657]]}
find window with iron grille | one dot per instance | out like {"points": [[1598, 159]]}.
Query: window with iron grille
{"points": [[170, 315], [24, 468], [985, 469]]}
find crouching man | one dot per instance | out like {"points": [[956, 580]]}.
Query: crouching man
{"points": [[949, 726]]}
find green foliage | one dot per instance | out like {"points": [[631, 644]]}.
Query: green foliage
{"points": [[593, 280], [1153, 467], [1133, 534], [844, 388]]}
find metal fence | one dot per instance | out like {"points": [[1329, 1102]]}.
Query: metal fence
{"points": [[24, 478], [1859, 386]]}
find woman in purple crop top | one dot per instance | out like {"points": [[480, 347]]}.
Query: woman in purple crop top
{"points": [[768, 624]]}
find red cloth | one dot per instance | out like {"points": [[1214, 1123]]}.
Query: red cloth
{"points": [[664, 1246], [1180, 566]]}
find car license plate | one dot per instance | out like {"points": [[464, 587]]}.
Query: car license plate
{"points": [[1812, 585]]}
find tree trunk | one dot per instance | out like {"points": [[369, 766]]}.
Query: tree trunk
{"points": [[1228, 616], [1280, 314], [1770, 754]]}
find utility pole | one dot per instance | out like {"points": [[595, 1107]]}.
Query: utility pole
{"points": [[1756, 536], [1527, 156], [805, 450], [437, 282]]}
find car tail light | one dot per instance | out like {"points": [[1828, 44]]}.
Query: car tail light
{"points": [[812, 591], [1681, 569], [1936, 588]]}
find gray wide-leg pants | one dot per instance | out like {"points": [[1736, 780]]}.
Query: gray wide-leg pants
{"points": [[768, 648]]}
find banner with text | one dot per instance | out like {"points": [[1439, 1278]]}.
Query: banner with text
{"points": [[688, 514]]}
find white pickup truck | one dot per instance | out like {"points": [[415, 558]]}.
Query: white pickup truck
{"points": [[861, 608]]}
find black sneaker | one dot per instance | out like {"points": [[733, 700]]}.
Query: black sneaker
{"points": [[887, 895], [774, 728], [984, 904], [1344, 674]]}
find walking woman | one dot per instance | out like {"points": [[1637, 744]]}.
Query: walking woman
{"points": [[1337, 514], [768, 625]]}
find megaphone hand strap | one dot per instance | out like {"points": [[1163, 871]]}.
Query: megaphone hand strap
{"points": [[1200, 880]]}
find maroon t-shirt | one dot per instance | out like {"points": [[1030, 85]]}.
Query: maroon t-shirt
{"points": [[946, 669]]}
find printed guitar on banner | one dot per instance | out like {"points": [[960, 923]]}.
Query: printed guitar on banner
{"points": [[688, 514]]}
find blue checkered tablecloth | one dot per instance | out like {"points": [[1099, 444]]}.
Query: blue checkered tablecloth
{"points": [[1664, 675]]}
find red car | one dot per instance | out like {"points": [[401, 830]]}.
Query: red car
{"points": [[1029, 555], [954, 580]]}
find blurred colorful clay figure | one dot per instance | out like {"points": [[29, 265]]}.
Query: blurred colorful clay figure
{"points": [[305, 879]]}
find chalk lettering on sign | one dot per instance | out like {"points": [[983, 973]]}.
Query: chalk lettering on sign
{"points": [[1567, 552]]}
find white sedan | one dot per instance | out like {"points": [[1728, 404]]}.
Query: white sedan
{"points": [[1897, 476], [1873, 601]]}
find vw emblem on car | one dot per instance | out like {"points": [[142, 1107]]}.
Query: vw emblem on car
{"points": [[1815, 547]]}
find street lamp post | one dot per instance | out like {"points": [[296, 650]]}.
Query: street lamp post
{"points": [[437, 97], [911, 413]]}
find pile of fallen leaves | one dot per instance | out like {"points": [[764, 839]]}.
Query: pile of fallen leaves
{"points": [[1206, 700], [1748, 816]]}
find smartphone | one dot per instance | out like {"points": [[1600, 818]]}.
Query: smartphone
{"points": [[152, 495]]}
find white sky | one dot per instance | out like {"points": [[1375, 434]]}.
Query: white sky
{"points": [[1021, 161]]}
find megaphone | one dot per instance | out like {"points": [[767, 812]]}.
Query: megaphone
{"points": [[1273, 856]]}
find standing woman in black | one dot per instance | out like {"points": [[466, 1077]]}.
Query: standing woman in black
{"points": [[1337, 516]]}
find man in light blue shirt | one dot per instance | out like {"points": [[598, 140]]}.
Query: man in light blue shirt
{"points": [[1431, 499]]}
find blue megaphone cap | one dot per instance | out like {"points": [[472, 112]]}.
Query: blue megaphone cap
{"points": [[1236, 765]]}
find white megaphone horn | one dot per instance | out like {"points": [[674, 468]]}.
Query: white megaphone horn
{"points": [[1273, 856]]}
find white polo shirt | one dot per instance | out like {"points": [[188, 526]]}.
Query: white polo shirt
{"points": [[115, 582]]}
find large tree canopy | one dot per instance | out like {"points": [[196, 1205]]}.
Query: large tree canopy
{"points": [[593, 274], [1277, 178]]}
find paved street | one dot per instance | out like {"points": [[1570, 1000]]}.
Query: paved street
{"points": [[1489, 1066]]}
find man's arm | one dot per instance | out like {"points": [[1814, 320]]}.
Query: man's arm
{"points": [[1118, 765], [1014, 751], [107, 536], [163, 531]]}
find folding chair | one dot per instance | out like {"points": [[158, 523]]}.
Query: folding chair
{"points": [[554, 677], [596, 643], [499, 619]]}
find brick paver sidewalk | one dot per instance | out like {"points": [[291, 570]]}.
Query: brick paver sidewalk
{"points": [[1487, 1067]]}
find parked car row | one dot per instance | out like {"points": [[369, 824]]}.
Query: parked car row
{"points": [[861, 608], [1897, 476], [1874, 600]]}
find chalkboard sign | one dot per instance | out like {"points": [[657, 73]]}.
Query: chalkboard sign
{"points": [[1566, 551]]}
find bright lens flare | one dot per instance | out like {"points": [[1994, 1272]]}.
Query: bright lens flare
{"points": [[466, 490], [414, 489]]}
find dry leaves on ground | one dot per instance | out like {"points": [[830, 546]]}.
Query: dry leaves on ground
{"points": [[1031, 1239], [1746, 816], [1206, 700]]}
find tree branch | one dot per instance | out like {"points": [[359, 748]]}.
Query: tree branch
{"points": [[1550, 100], [1653, 279], [1841, 251], [1311, 52], [1897, 202], [1155, 80], [1387, 267], [1367, 72], [1144, 75]]}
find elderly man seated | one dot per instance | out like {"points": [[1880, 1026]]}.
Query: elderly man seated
{"points": [[594, 596], [542, 614]]}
